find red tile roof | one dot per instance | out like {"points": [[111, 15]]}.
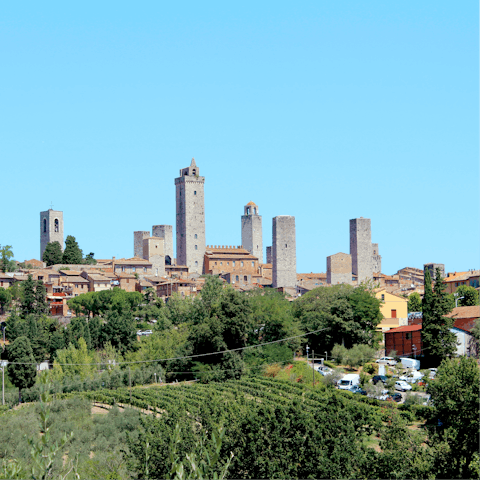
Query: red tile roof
{"points": [[465, 312], [405, 328]]}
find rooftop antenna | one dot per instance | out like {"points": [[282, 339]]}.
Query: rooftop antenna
{"points": [[51, 205]]}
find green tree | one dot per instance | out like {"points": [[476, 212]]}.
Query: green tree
{"points": [[414, 302], [346, 316], [73, 361], [469, 294], [72, 254], [455, 395], [53, 254], [41, 305], [438, 341], [22, 368], [119, 330], [5, 299], [28, 297], [89, 260], [6, 254]]}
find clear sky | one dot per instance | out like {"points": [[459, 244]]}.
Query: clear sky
{"points": [[324, 110]]}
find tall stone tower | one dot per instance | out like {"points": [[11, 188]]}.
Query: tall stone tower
{"points": [[284, 269], [376, 259], [138, 242], [361, 248], [190, 203], [269, 255], [252, 231], [165, 232], [153, 251], [51, 229]]}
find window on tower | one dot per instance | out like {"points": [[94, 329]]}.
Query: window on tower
{"points": [[44, 225], [194, 192], [56, 225], [196, 247], [196, 236]]}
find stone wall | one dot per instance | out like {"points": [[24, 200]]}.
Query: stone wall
{"points": [[284, 255], [190, 221], [361, 248], [165, 232], [339, 268], [138, 238], [51, 229]]}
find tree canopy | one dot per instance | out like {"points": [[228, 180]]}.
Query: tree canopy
{"points": [[6, 256], [22, 368], [72, 253], [438, 341], [53, 254]]}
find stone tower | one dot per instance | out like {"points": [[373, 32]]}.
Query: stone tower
{"points": [[339, 269], [153, 251], [165, 232], [284, 256], [138, 242], [432, 267], [361, 248], [190, 218], [51, 229], [376, 259], [269, 255], [252, 231]]}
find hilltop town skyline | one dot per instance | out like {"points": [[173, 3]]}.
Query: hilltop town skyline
{"points": [[276, 108]]}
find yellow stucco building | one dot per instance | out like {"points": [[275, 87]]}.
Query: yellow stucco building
{"points": [[394, 309]]}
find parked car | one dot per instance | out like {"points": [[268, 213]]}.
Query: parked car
{"points": [[383, 395], [388, 360], [379, 378], [402, 385], [323, 370], [358, 389], [395, 397], [412, 377], [139, 333], [432, 372]]}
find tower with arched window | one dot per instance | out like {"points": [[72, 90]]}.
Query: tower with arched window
{"points": [[252, 231], [190, 221], [51, 229]]}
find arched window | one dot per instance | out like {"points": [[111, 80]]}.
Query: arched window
{"points": [[196, 236], [236, 278], [44, 225], [255, 211], [56, 225], [196, 263]]}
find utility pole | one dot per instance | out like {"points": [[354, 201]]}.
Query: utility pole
{"points": [[130, 385], [313, 368], [4, 365]]}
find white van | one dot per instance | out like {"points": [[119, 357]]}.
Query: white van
{"points": [[411, 363], [348, 381]]}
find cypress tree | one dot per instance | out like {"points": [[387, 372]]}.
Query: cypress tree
{"points": [[438, 341], [22, 370], [52, 254], [73, 254]]}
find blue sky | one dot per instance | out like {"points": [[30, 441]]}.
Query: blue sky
{"points": [[322, 110]]}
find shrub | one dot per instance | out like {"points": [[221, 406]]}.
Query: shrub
{"points": [[272, 370], [371, 368]]}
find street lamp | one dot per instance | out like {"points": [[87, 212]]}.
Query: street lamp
{"points": [[455, 295], [3, 366]]}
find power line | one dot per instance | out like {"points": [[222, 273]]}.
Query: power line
{"points": [[179, 358]]}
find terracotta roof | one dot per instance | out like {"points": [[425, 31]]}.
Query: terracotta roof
{"points": [[251, 204], [406, 328], [465, 312], [465, 324], [70, 272], [267, 265], [311, 276], [132, 261], [124, 275], [98, 278], [455, 277], [73, 279], [210, 249]]}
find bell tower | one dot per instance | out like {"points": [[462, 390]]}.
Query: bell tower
{"points": [[252, 231], [51, 229], [190, 221]]}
